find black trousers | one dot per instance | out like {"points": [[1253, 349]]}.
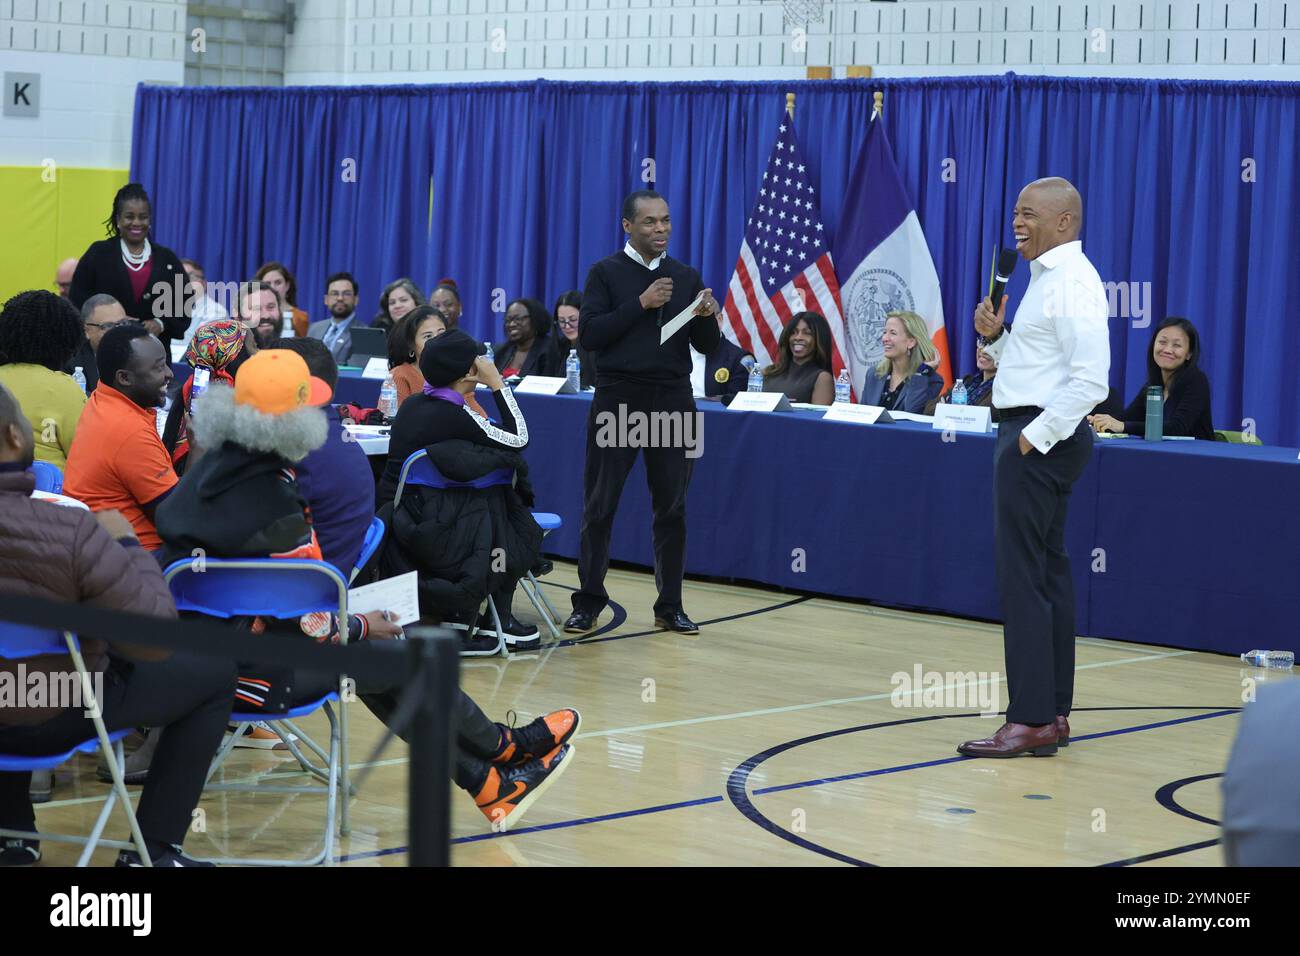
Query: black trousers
{"points": [[189, 697], [668, 472], [478, 739], [1030, 496]]}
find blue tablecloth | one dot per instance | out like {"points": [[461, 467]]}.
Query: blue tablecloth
{"points": [[1194, 544]]}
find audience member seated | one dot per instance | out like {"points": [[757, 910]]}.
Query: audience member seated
{"points": [[1171, 364], [39, 334], [140, 275], [398, 298], [204, 308], [903, 381], [117, 461], [445, 297], [335, 479], [449, 535], [529, 348], [252, 436], [720, 374], [99, 313], [802, 369], [63, 275], [406, 342], [567, 308], [979, 383], [279, 278], [67, 554], [220, 347], [336, 331], [259, 310]]}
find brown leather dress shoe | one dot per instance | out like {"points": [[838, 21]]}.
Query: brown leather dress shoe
{"points": [[1013, 740], [1062, 732]]}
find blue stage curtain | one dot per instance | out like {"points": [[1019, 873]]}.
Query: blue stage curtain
{"points": [[524, 182]]}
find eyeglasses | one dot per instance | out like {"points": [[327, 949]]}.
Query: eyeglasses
{"points": [[345, 294], [111, 325], [567, 323]]}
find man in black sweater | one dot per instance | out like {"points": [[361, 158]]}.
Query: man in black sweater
{"points": [[627, 300]]}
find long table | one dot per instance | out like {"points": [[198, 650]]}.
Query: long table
{"points": [[1178, 543]]}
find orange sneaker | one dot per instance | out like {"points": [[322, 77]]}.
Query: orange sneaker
{"points": [[258, 736], [508, 792], [539, 737]]}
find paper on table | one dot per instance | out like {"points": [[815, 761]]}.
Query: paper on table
{"points": [[398, 595], [680, 319]]}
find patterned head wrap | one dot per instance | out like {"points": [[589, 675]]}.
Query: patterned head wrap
{"points": [[215, 345]]}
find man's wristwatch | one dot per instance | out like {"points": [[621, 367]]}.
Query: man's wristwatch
{"points": [[983, 340]]}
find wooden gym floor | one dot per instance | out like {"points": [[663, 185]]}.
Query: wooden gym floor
{"points": [[772, 739]]}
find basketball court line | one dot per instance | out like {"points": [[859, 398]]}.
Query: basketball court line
{"points": [[767, 825]]}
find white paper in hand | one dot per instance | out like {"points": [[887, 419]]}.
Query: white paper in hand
{"points": [[681, 318], [399, 595]]}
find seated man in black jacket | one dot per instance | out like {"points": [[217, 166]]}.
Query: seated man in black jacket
{"points": [[239, 498], [466, 543], [720, 373]]}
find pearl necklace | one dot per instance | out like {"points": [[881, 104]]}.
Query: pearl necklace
{"points": [[135, 262]]}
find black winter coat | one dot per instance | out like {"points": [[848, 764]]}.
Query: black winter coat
{"points": [[451, 536]]}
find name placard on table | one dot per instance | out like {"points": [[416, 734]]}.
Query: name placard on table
{"points": [[760, 402], [544, 385], [858, 414], [376, 367], [977, 419]]}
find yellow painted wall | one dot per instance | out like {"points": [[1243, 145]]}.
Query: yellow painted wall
{"points": [[47, 222]]}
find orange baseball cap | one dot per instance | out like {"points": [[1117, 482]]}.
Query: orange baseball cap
{"points": [[276, 381]]}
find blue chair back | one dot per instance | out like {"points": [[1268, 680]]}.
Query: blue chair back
{"points": [[419, 470], [245, 587], [374, 538], [48, 477], [20, 640]]}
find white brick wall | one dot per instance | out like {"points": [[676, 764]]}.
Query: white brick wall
{"points": [[90, 55], [745, 39]]}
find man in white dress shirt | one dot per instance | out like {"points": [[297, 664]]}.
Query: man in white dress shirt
{"points": [[1053, 363]]}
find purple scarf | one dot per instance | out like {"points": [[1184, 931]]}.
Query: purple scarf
{"points": [[446, 394]]}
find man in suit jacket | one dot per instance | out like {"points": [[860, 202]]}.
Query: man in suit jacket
{"points": [[720, 374], [336, 331]]}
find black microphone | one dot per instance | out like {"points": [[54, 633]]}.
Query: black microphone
{"points": [[660, 319], [1006, 265]]}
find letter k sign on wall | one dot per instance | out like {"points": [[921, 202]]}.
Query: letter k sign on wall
{"points": [[22, 93]]}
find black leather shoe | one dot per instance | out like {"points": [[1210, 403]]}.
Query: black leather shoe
{"points": [[676, 621], [580, 622]]}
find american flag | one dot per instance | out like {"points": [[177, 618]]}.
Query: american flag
{"points": [[784, 264]]}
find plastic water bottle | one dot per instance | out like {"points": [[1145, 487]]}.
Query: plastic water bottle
{"points": [[388, 398], [843, 388], [286, 324], [573, 370], [1155, 413], [489, 354], [755, 378], [79, 376], [959, 393], [1276, 660]]}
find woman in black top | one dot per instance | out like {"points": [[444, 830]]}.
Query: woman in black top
{"points": [[148, 280], [1171, 364], [453, 366], [567, 308], [528, 348], [803, 363]]}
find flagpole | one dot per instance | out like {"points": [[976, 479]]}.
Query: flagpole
{"points": [[877, 104], [789, 104]]}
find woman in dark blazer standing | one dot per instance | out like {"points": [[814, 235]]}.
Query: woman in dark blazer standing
{"points": [[1171, 364], [142, 276]]}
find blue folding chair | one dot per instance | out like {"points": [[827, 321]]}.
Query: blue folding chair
{"points": [[287, 589], [548, 522], [419, 470], [374, 538], [18, 642], [48, 477]]}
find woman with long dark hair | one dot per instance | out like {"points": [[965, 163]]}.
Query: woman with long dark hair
{"points": [[279, 278], [802, 369], [398, 298], [567, 308], [149, 280], [1172, 364], [406, 342]]}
